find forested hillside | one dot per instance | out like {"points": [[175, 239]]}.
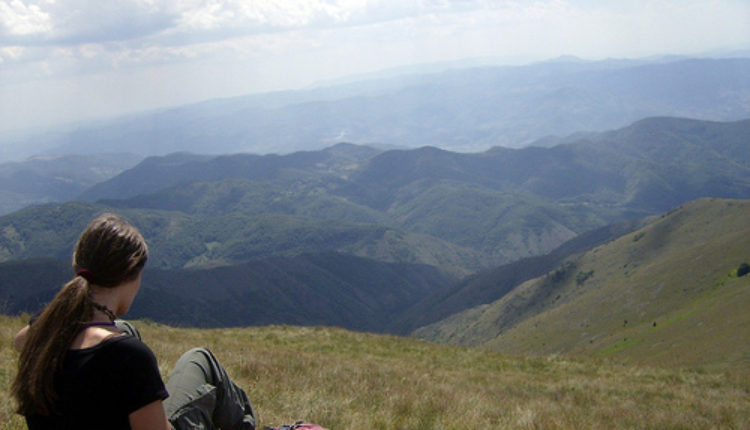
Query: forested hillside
{"points": [[506, 204], [310, 289]]}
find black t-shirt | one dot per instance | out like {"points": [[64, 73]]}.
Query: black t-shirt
{"points": [[99, 387]]}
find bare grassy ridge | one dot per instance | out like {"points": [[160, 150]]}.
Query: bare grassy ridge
{"points": [[667, 294], [347, 380]]}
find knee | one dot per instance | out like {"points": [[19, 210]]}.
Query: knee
{"points": [[199, 354], [200, 358], [199, 350]]}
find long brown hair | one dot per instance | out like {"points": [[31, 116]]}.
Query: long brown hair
{"points": [[111, 252]]}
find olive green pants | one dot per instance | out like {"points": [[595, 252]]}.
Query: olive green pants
{"points": [[201, 395]]}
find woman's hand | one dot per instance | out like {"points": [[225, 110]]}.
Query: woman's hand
{"points": [[150, 417]]}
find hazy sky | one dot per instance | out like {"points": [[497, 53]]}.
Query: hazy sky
{"points": [[63, 60]]}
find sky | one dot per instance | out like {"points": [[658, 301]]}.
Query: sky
{"points": [[70, 60]]}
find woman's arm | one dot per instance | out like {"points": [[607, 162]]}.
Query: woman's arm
{"points": [[150, 417], [20, 338]]}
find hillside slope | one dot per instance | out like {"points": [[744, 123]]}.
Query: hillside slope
{"points": [[492, 284], [328, 289], [667, 292]]}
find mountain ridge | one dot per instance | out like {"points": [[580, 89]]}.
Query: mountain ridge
{"points": [[665, 289], [45, 179], [487, 208], [465, 109]]}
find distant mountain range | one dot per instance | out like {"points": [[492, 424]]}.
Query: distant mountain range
{"points": [[391, 241], [462, 212], [44, 179], [550, 208], [468, 109]]}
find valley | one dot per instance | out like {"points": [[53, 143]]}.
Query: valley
{"points": [[512, 249]]}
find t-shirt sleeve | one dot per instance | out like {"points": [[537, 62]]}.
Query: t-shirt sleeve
{"points": [[139, 381]]}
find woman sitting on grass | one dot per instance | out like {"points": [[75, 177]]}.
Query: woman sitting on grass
{"points": [[77, 370]]}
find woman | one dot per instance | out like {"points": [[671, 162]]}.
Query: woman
{"points": [[78, 370]]}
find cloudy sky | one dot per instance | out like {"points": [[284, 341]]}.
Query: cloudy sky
{"points": [[65, 60]]}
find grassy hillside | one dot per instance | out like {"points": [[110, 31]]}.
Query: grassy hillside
{"points": [[667, 293], [492, 284], [347, 380]]}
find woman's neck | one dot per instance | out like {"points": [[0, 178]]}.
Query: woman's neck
{"points": [[106, 303]]}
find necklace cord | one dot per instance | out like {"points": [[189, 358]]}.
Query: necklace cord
{"points": [[107, 311]]}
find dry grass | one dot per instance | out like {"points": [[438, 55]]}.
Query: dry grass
{"points": [[346, 380]]}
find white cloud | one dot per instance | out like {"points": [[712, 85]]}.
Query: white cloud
{"points": [[69, 22], [86, 21], [10, 53], [20, 19]]}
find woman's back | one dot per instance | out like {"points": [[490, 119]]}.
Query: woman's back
{"points": [[99, 386], [78, 371]]}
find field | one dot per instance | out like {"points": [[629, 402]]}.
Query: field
{"points": [[347, 380]]}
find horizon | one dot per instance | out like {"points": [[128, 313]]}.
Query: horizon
{"points": [[71, 61]]}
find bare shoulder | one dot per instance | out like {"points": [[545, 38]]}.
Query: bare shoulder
{"points": [[92, 336]]}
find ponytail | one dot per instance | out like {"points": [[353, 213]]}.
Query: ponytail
{"points": [[49, 337], [108, 253]]}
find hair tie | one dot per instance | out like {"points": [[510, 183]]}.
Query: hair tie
{"points": [[85, 274]]}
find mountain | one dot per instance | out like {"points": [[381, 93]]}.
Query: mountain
{"points": [[461, 213], [156, 173], [656, 295], [328, 289], [27, 285], [490, 285], [45, 179], [178, 240], [468, 109], [504, 204]]}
